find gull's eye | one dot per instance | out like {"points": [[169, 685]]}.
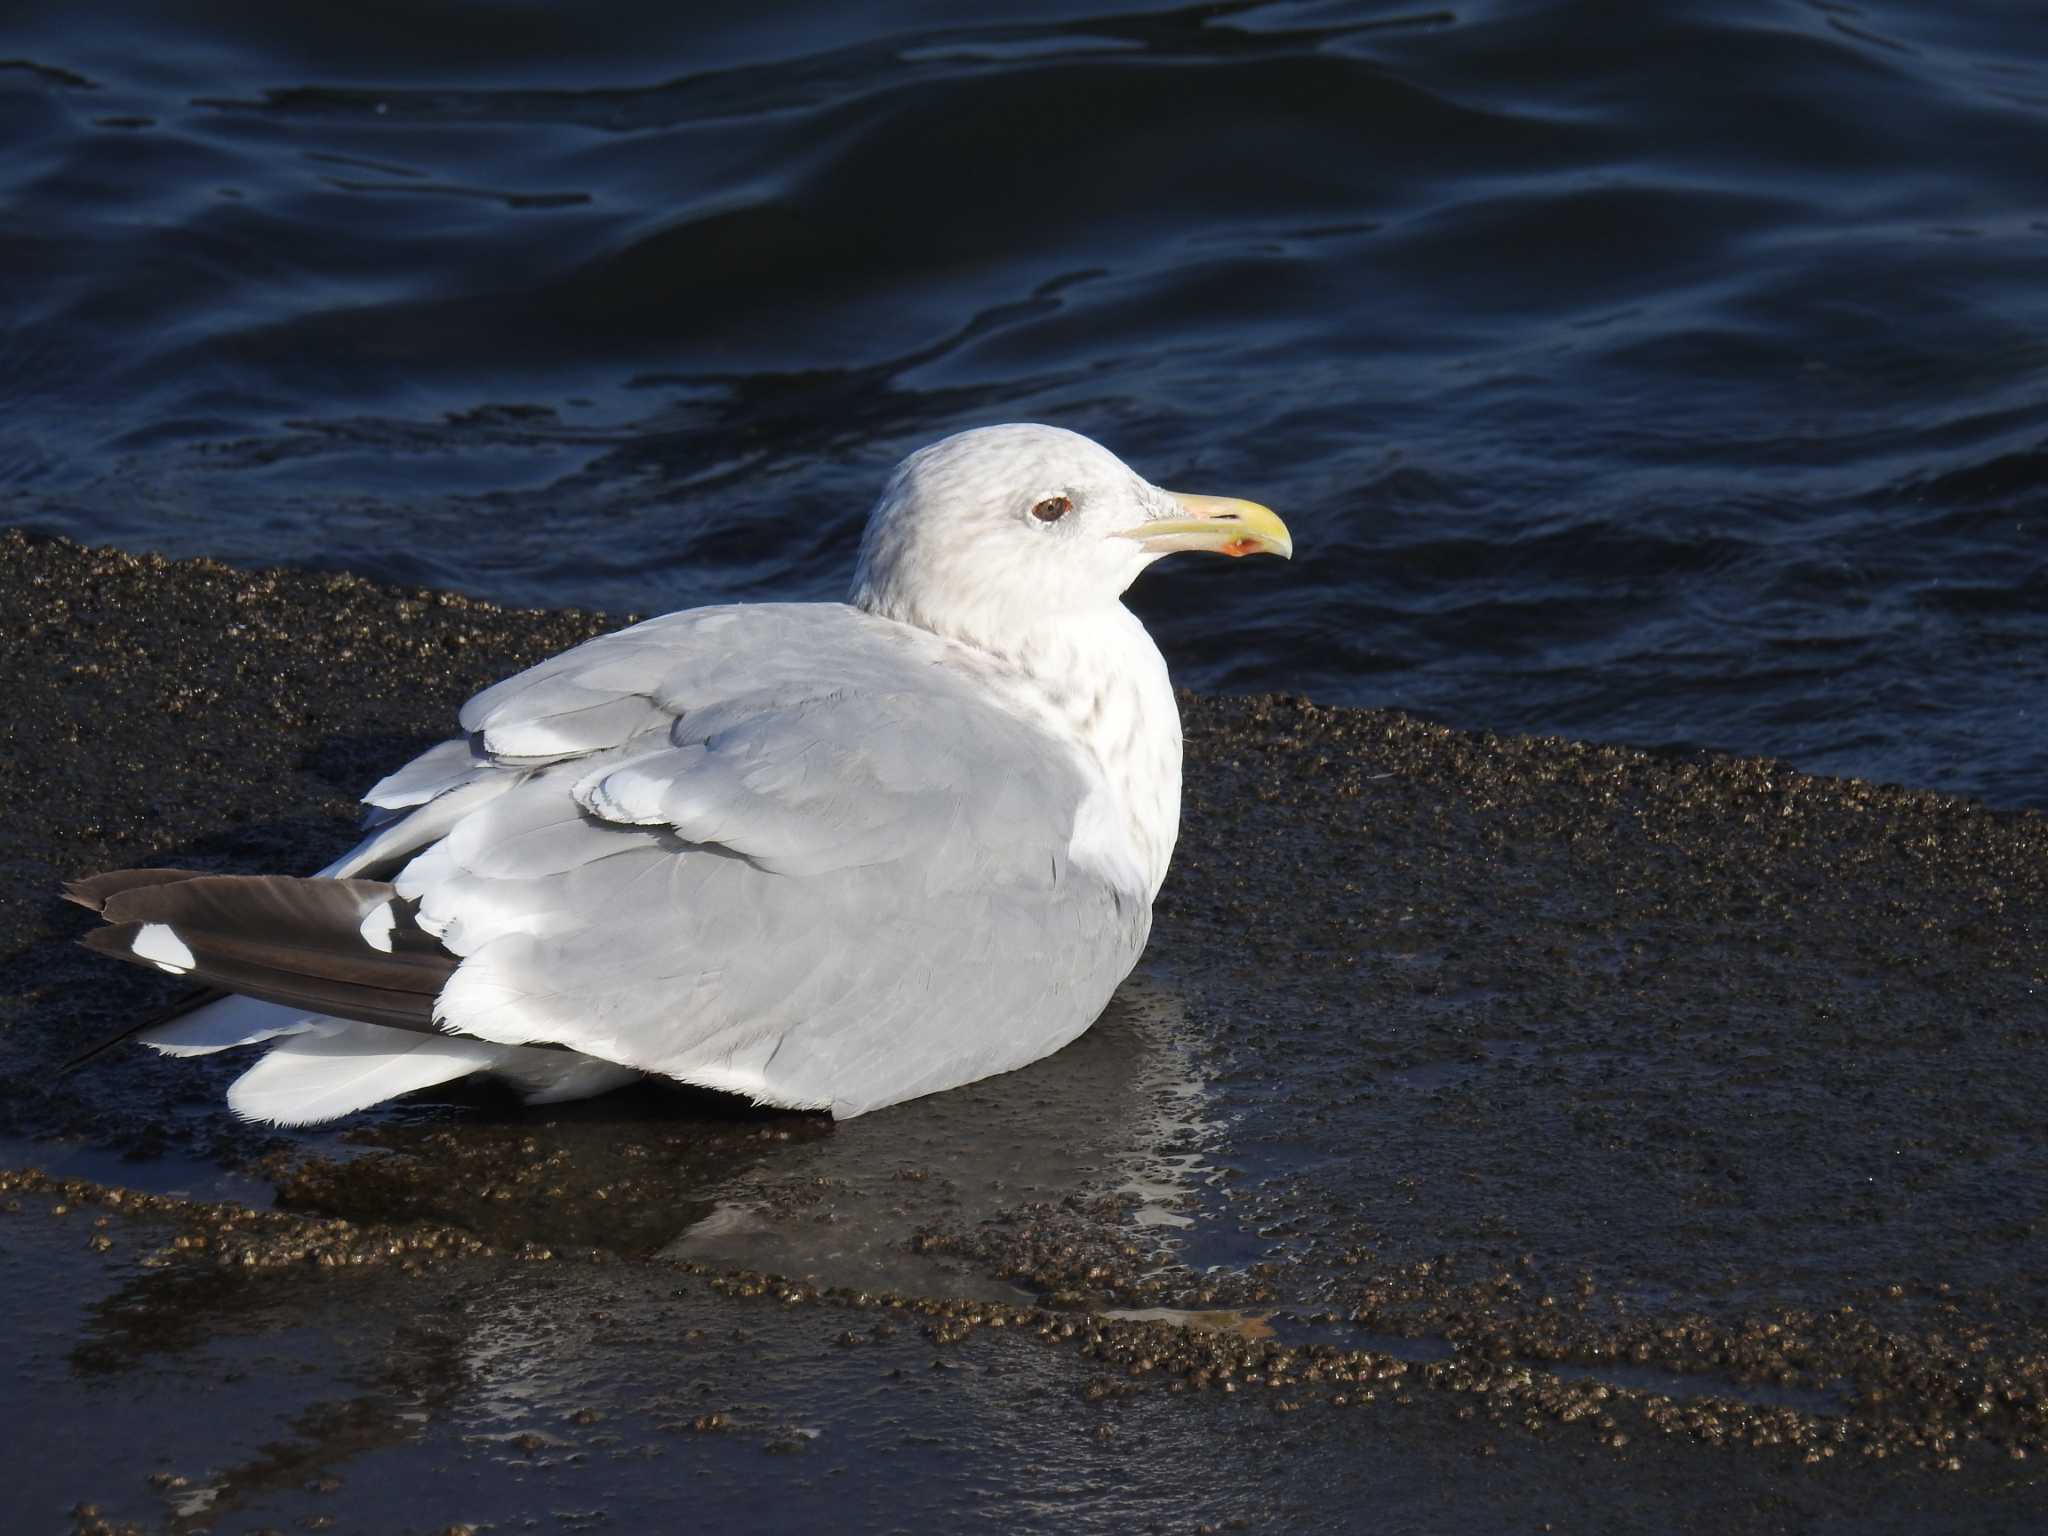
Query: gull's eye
{"points": [[1053, 508]]}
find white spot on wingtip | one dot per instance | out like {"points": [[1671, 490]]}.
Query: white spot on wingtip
{"points": [[376, 926], [163, 949]]}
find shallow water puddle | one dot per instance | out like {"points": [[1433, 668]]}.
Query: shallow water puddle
{"points": [[169, 1174]]}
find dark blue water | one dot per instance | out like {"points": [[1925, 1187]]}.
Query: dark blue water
{"points": [[1663, 373]]}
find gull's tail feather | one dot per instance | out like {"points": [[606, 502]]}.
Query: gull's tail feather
{"points": [[320, 1076], [222, 1024]]}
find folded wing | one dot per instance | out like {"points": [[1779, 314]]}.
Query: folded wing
{"points": [[848, 885]]}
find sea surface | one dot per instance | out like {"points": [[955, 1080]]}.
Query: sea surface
{"points": [[1674, 374]]}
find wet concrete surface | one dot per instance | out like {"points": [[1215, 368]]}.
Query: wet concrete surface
{"points": [[1501, 1134]]}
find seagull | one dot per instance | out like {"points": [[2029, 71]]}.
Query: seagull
{"points": [[828, 856]]}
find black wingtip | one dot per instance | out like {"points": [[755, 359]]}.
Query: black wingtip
{"points": [[289, 940], [87, 891], [93, 892]]}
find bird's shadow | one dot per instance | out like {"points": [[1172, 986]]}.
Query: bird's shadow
{"points": [[350, 764]]}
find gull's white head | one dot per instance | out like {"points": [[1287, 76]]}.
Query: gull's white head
{"points": [[987, 533]]}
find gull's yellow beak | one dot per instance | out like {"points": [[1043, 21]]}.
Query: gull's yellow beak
{"points": [[1219, 523]]}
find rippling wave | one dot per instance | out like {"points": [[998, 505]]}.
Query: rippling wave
{"points": [[1672, 374]]}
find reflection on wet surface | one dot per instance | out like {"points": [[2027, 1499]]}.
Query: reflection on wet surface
{"points": [[703, 1179], [387, 1400]]}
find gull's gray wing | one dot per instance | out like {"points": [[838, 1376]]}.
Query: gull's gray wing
{"points": [[792, 851]]}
